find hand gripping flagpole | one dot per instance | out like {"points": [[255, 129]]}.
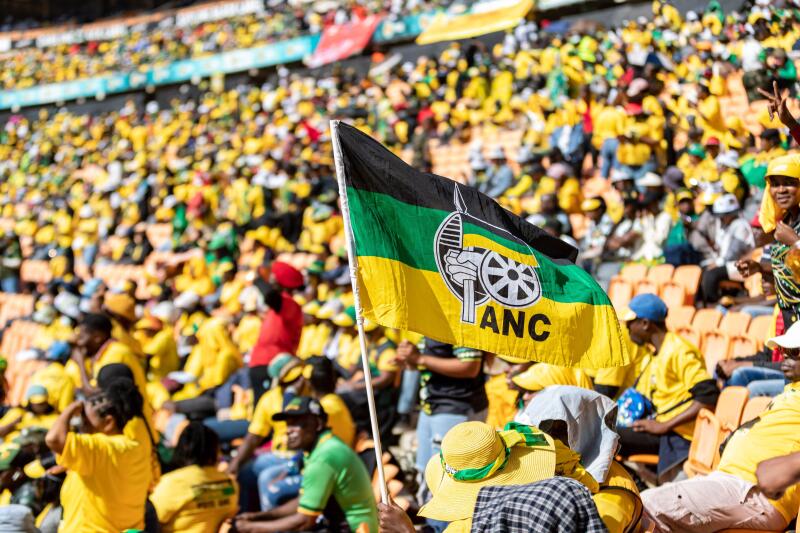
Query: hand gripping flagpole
{"points": [[351, 258]]}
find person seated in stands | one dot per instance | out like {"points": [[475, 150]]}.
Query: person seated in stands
{"points": [[675, 382], [286, 372], [336, 488], [584, 421], [728, 497], [196, 496]]}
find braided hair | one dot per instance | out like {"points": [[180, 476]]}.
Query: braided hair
{"points": [[197, 445], [123, 401]]}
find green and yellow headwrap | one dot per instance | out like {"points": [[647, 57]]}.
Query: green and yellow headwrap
{"points": [[513, 434]]}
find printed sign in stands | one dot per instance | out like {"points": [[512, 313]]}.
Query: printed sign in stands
{"points": [[341, 41]]}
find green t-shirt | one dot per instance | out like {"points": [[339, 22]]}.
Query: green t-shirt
{"points": [[334, 469]]}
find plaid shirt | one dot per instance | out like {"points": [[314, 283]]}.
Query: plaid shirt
{"points": [[554, 505]]}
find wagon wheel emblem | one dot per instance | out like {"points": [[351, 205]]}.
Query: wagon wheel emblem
{"points": [[509, 283]]}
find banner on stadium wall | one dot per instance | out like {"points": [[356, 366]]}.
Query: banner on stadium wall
{"points": [[445, 28], [341, 41], [403, 29], [234, 61]]}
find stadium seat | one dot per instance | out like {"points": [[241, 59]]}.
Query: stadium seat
{"points": [[754, 408], [680, 316], [734, 323], [690, 334], [673, 294], [704, 450], [15, 306], [35, 271], [742, 346], [646, 286], [715, 348], [730, 407], [660, 274], [706, 320], [620, 293], [759, 328], [633, 272], [689, 277]]}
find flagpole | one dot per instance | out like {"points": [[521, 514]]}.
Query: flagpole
{"points": [[362, 338]]}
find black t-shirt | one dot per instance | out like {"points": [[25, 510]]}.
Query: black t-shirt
{"points": [[441, 394]]}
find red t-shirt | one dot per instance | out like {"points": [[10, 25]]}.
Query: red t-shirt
{"points": [[280, 332]]}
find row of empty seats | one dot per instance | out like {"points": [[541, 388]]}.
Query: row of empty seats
{"points": [[676, 286]]}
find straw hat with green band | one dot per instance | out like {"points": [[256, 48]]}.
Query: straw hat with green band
{"points": [[474, 455]]}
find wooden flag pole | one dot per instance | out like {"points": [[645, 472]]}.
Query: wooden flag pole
{"points": [[353, 261]]}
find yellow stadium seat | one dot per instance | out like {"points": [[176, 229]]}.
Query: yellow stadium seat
{"points": [[690, 334], [742, 347], [646, 286]]}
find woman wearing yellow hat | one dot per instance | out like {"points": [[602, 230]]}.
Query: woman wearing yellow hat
{"points": [[780, 216]]}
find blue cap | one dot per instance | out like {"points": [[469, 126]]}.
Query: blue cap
{"points": [[647, 306], [58, 351]]}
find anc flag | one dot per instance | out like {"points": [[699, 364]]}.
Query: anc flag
{"points": [[441, 259]]}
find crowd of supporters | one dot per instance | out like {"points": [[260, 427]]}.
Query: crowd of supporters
{"points": [[220, 380], [144, 48]]}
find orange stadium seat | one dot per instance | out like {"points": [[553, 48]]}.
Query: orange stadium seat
{"points": [[706, 320], [15, 306], [660, 274], [633, 272], [35, 271], [715, 348], [690, 334], [704, 450], [620, 293], [730, 406], [673, 294], [734, 323], [742, 347], [754, 408], [680, 317], [646, 286], [760, 328], [689, 277]]}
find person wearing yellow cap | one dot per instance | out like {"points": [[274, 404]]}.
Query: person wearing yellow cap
{"points": [[121, 308], [675, 382], [780, 215], [159, 347], [542, 375], [286, 372], [37, 411]]}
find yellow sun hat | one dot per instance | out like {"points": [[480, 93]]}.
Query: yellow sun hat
{"points": [[474, 455], [543, 375]]}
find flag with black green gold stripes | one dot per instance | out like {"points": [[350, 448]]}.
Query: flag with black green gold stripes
{"points": [[441, 259]]}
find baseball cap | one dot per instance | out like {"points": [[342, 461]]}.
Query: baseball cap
{"points": [[790, 339], [301, 406], [647, 306], [651, 179]]}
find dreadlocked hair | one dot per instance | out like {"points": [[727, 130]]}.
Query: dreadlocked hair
{"points": [[197, 445], [124, 401]]}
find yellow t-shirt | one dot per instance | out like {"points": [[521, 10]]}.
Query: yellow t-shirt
{"points": [[623, 377], [163, 353], [194, 499], [60, 388], [108, 477], [339, 419], [774, 435], [270, 403], [617, 499], [676, 368]]}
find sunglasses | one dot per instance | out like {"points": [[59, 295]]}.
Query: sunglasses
{"points": [[791, 353]]}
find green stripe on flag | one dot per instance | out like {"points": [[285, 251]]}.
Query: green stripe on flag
{"points": [[386, 227]]}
